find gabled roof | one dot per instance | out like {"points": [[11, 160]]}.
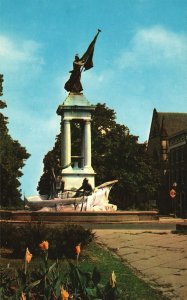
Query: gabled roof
{"points": [[173, 122], [167, 122]]}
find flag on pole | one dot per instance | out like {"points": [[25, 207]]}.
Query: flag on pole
{"points": [[87, 58]]}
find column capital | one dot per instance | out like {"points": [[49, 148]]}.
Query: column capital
{"points": [[87, 121]]}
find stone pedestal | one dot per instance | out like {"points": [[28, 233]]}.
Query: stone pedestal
{"points": [[75, 168]]}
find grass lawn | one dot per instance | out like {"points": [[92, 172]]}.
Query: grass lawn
{"points": [[133, 288]]}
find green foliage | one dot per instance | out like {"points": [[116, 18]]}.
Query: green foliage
{"points": [[6, 230], [51, 166], [118, 155], [37, 284], [1, 84], [67, 238], [12, 160], [86, 285], [47, 280], [62, 240], [6, 280]]}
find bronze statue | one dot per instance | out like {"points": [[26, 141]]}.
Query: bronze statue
{"points": [[74, 85]]}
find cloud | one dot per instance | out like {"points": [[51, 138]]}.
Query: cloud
{"points": [[153, 46], [95, 81], [19, 54]]}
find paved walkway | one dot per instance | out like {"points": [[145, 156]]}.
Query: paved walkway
{"points": [[159, 257]]}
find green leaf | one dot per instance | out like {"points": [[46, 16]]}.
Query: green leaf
{"points": [[51, 267], [91, 292], [32, 285], [96, 276]]}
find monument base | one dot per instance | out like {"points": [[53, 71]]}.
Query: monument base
{"points": [[73, 177], [81, 218]]}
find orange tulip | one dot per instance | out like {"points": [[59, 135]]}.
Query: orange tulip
{"points": [[23, 296], [44, 245], [78, 249], [28, 256], [64, 294], [113, 279]]}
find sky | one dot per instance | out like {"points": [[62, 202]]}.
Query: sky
{"points": [[140, 63]]}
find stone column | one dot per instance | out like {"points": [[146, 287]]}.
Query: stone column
{"points": [[66, 143], [82, 145], [87, 144], [62, 142]]}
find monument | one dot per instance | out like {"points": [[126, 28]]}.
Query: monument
{"points": [[77, 174], [72, 204], [77, 109]]}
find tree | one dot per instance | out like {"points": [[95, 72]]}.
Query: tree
{"points": [[1, 84], [51, 161], [116, 154], [12, 160]]}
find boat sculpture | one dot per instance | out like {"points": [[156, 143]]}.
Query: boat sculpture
{"points": [[97, 201]]}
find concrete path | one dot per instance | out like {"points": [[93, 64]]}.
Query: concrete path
{"points": [[159, 257]]}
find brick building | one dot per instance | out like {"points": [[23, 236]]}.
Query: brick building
{"points": [[167, 145], [177, 150]]}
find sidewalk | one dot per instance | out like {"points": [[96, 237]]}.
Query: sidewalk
{"points": [[157, 256]]}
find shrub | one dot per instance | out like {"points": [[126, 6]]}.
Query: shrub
{"points": [[62, 241], [6, 230], [73, 235], [18, 238]]}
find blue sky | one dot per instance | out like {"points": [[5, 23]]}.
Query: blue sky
{"points": [[140, 63]]}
